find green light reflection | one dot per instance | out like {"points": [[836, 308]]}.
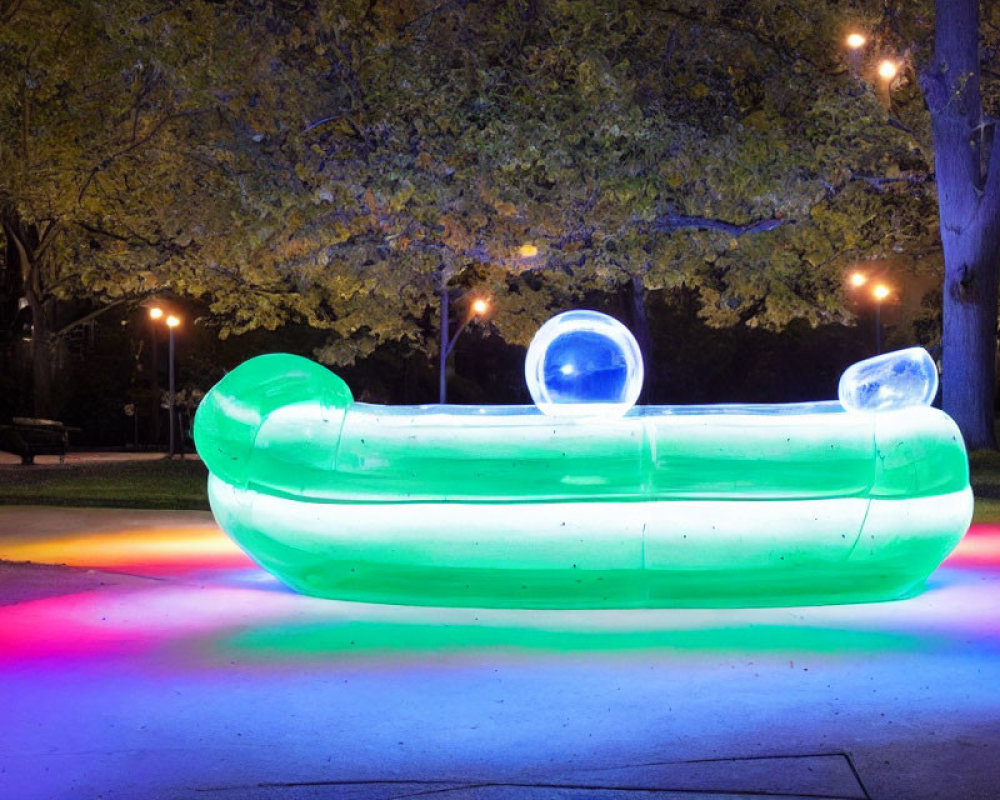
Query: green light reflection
{"points": [[371, 639]]}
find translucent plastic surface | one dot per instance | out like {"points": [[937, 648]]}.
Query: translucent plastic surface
{"points": [[584, 364], [901, 379], [598, 555], [664, 506]]}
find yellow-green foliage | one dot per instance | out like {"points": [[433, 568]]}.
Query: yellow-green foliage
{"points": [[332, 162]]}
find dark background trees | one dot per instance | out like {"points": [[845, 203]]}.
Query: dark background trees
{"points": [[334, 165]]}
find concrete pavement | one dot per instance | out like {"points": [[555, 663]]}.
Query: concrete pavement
{"points": [[159, 662]]}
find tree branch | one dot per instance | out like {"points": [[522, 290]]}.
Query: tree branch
{"points": [[427, 15], [25, 125], [48, 236], [8, 10], [88, 317], [323, 121], [133, 238], [673, 222], [786, 52], [107, 162], [22, 253], [892, 122], [880, 181]]}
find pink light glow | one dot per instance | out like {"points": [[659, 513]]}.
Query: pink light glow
{"points": [[165, 591], [979, 548]]}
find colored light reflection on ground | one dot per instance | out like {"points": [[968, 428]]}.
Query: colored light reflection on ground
{"points": [[140, 551], [979, 548], [161, 587], [163, 663]]}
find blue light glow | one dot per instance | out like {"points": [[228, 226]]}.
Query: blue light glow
{"points": [[584, 363]]}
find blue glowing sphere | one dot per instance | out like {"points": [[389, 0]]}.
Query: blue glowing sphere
{"points": [[584, 363]]}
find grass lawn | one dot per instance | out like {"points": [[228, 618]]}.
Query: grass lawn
{"points": [[181, 485], [985, 468], [123, 484]]}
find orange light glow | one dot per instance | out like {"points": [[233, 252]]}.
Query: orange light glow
{"points": [[155, 312], [527, 251], [480, 307], [855, 40], [137, 551], [858, 279], [172, 321], [887, 70], [880, 292]]}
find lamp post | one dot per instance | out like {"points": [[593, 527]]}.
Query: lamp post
{"points": [[855, 41], [477, 308], [172, 322], [156, 313], [880, 292], [887, 71]]}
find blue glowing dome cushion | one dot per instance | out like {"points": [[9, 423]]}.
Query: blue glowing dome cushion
{"points": [[584, 363]]}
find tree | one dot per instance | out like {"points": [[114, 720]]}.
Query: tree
{"points": [[338, 164], [607, 135], [119, 156], [751, 169], [967, 167]]}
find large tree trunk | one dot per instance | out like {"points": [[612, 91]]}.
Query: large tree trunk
{"points": [[41, 358], [969, 340], [969, 205], [643, 336], [24, 241]]}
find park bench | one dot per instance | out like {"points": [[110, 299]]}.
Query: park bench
{"points": [[28, 437]]}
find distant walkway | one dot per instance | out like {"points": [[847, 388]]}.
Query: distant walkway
{"points": [[82, 458]]}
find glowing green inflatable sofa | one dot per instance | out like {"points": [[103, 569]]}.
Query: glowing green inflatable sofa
{"points": [[733, 505]]}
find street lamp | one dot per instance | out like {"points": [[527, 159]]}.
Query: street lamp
{"points": [[855, 41], [880, 292], [887, 70], [156, 313], [172, 322], [477, 308]]}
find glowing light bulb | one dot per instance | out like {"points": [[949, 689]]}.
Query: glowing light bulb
{"points": [[880, 292], [155, 312], [855, 40], [527, 251], [887, 70], [858, 279], [480, 307], [172, 321]]}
